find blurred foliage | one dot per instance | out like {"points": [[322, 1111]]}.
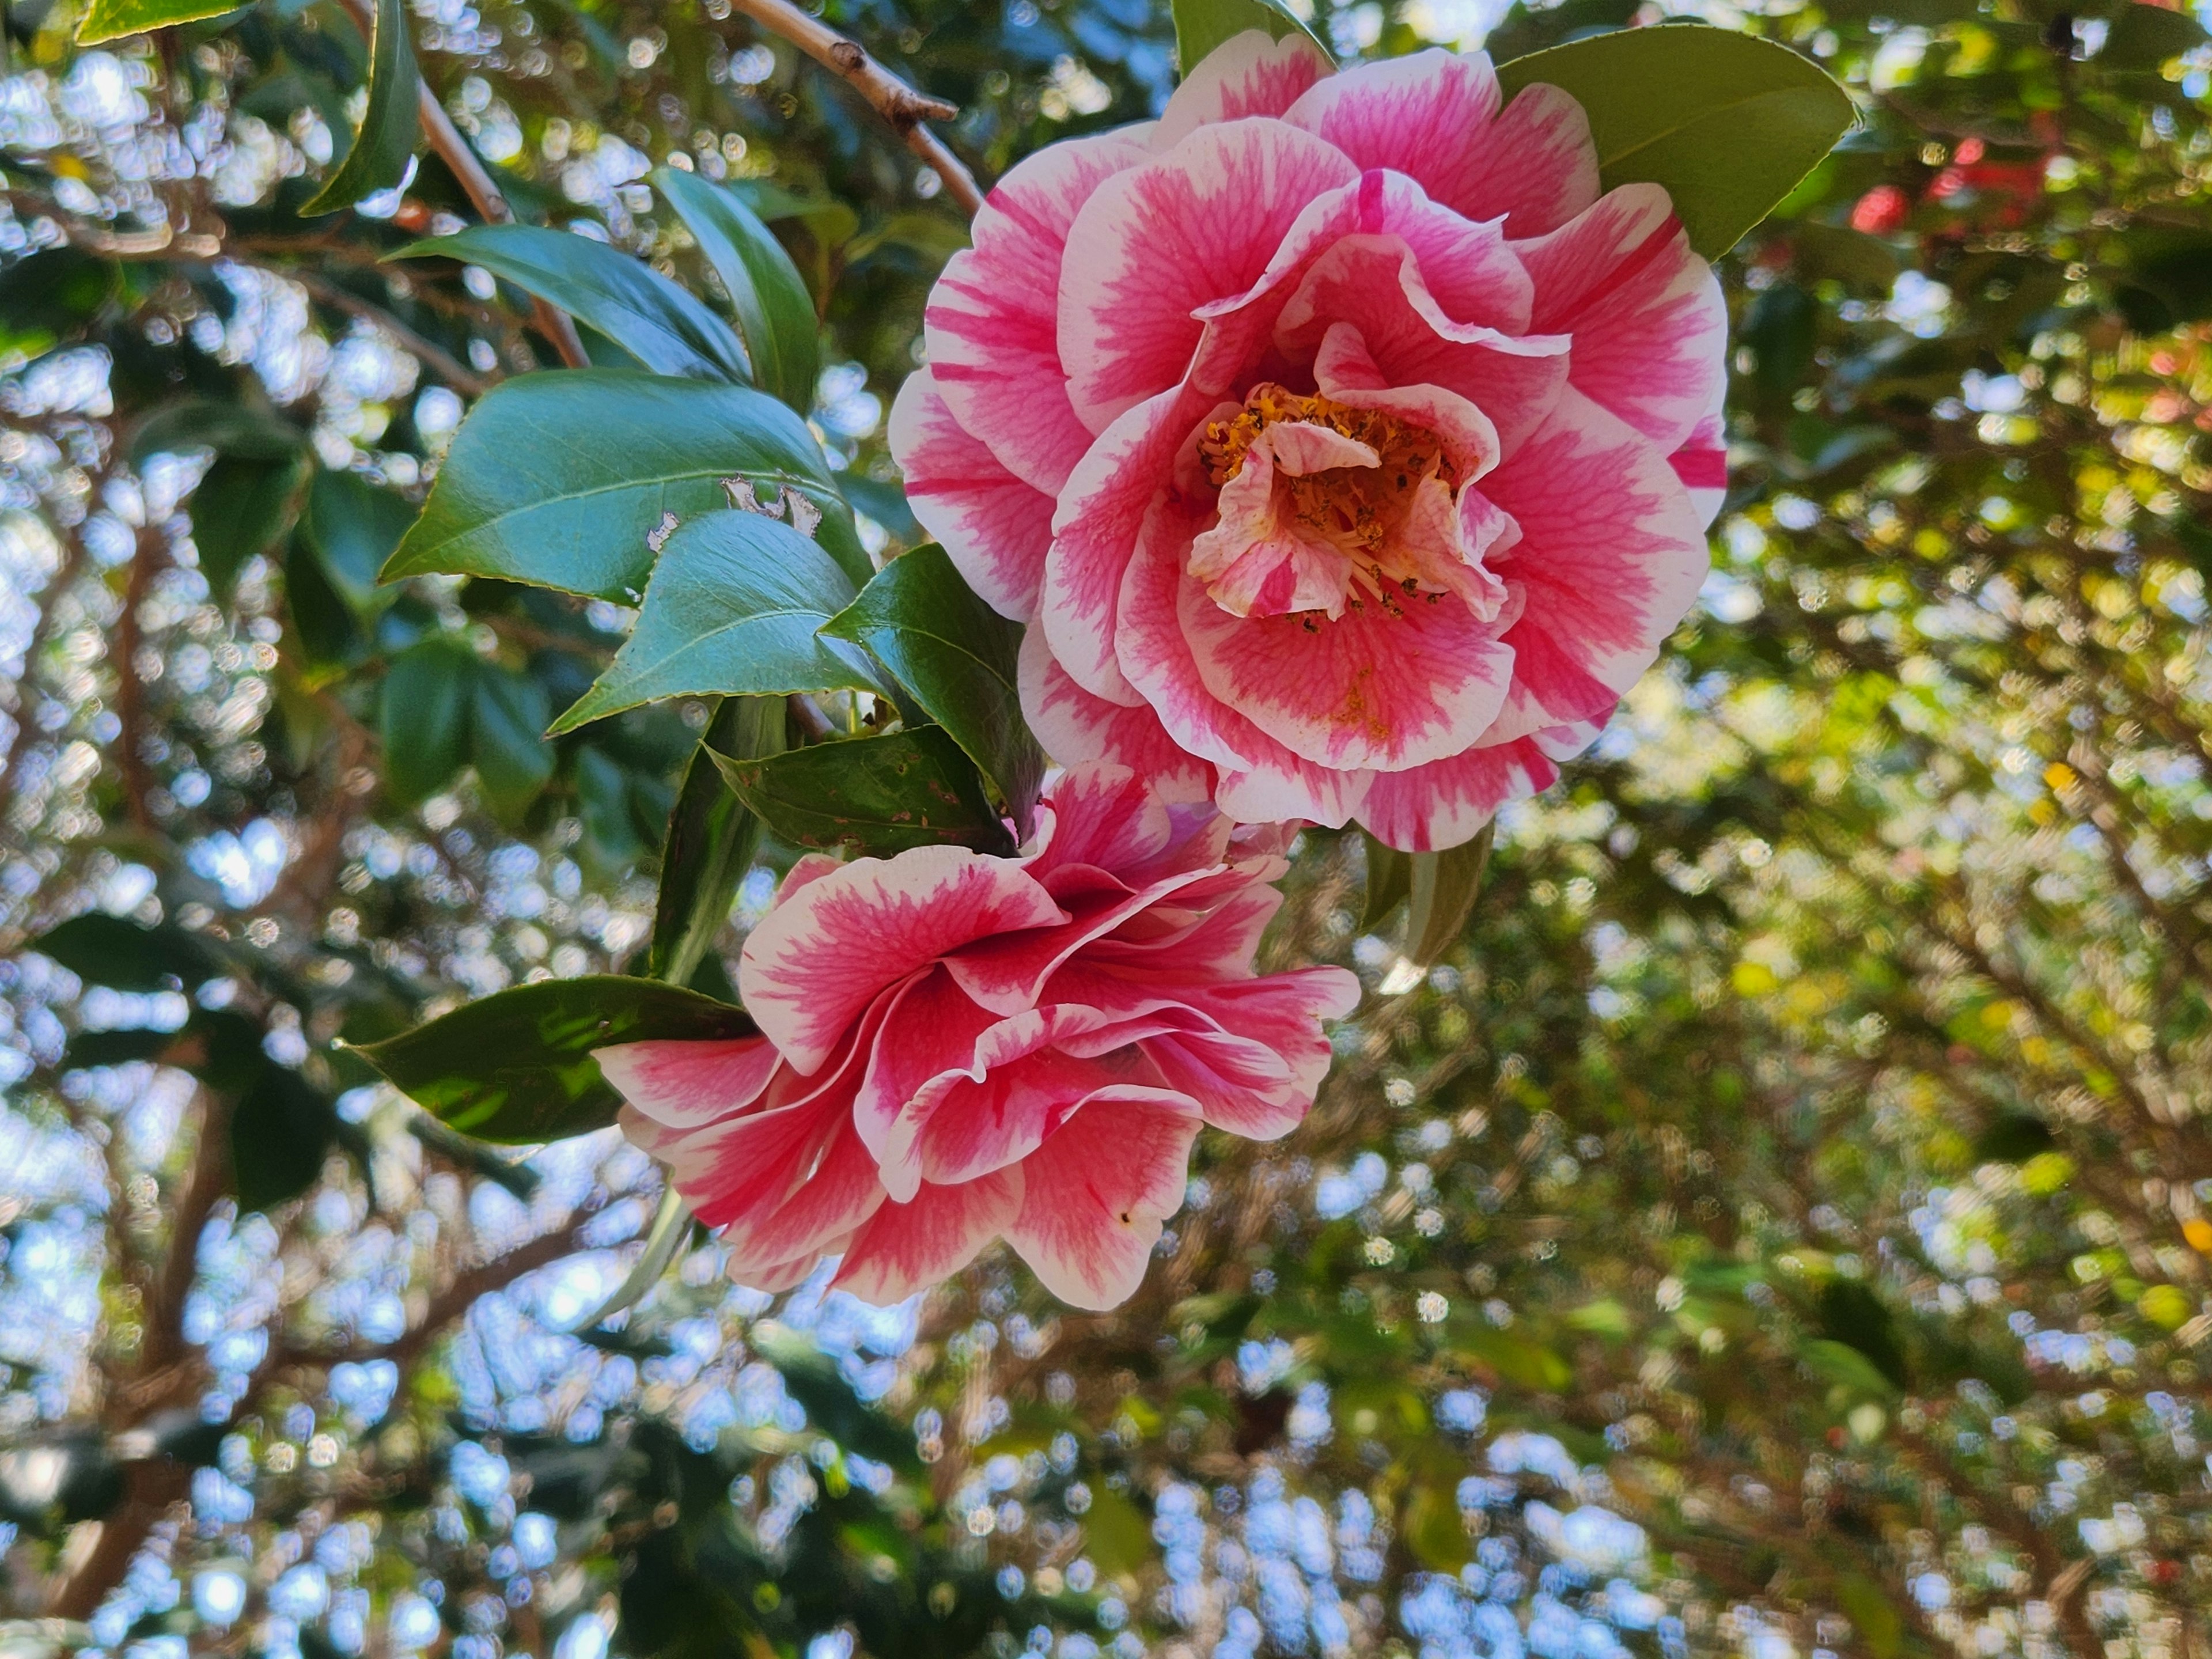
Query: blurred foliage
{"points": [[1777, 1227]]}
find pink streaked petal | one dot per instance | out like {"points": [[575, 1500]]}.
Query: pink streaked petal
{"points": [[1005, 974], [906, 1248], [815, 961], [1435, 118], [993, 323], [686, 1084], [1564, 743], [1610, 559], [1375, 286], [994, 527], [1076, 727], [1447, 803], [1650, 325], [1096, 1194], [1702, 461], [1099, 814], [742, 1166], [839, 1193], [806, 868], [1286, 789], [1154, 244], [774, 1279], [1248, 73], [930, 1027], [1381, 688], [1240, 1085], [1220, 945], [1346, 373], [1095, 529]]}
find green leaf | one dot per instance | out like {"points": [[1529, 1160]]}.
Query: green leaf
{"points": [[711, 838], [233, 429], [517, 1067], [118, 1048], [110, 20], [351, 527], [671, 1226], [281, 1131], [1389, 880], [665, 328], [883, 502], [1727, 123], [733, 607], [425, 719], [506, 741], [876, 795], [1443, 889], [385, 143], [956, 656], [775, 312], [2144, 37], [1202, 24], [240, 509], [127, 955], [559, 478]]}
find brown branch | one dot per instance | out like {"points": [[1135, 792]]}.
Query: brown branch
{"points": [[434, 356], [129, 690], [205, 1181], [899, 104]]}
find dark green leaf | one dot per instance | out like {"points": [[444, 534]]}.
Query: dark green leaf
{"points": [[104, 949], [768, 297], [110, 20], [956, 656], [115, 1047], [392, 121], [352, 527], [876, 795], [558, 479], [325, 625], [234, 429], [516, 1067], [1202, 24], [1389, 881], [883, 502], [2143, 37], [47, 296], [506, 741], [711, 837], [280, 1132], [1443, 889], [663, 326], [240, 509], [733, 607], [425, 720], [1727, 123]]}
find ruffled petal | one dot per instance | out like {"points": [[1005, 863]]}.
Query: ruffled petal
{"points": [[1076, 727], [685, 1085], [839, 1193], [1096, 1194], [1447, 802], [994, 527], [906, 1248], [816, 960], [1249, 74], [1101, 815]]}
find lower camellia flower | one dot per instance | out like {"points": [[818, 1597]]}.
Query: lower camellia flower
{"points": [[956, 1048], [1347, 451]]}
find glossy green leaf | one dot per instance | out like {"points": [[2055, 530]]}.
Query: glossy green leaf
{"points": [[517, 1067], [664, 326], [351, 526], [513, 762], [956, 656], [711, 838], [425, 717], [390, 124], [1202, 24], [876, 795], [241, 509], [733, 607], [238, 430], [2142, 37], [775, 312], [110, 19], [127, 955], [281, 1130], [885, 503], [1441, 892], [571, 479], [671, 1226], [1389, 881], [1728, 123]]}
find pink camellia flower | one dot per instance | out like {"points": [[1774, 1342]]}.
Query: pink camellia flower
{"points": [[958, 1047], [1347, 453]]}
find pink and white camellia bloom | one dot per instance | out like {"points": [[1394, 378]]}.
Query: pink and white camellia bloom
{"points": [[957, 1049], [1348, 452]]}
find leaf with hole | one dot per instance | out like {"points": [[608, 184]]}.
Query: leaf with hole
{"points": [[517, 1067], [957, 657], [734, 607], [573, 479], [1728, 123]]}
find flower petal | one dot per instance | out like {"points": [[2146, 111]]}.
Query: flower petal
{"points": [[1447, 802], [1435, 118], [906, 1248], [1096, 1193], [1076, 727], [1101, 815], [816, 960], [838, 1193], [685, 1085], [992, 326], [1249, 74], [1702, 461], [1650, 325], [1198, 224], [994, 527]]}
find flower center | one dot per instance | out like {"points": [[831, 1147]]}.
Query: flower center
{"points": [[1328, 505]]}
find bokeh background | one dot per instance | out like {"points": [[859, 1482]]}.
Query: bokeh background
{"points": [[1777, 1229]]}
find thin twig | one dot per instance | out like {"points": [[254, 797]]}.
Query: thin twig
{"points": [[899, 104], [129, 690], [434, 356]]}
